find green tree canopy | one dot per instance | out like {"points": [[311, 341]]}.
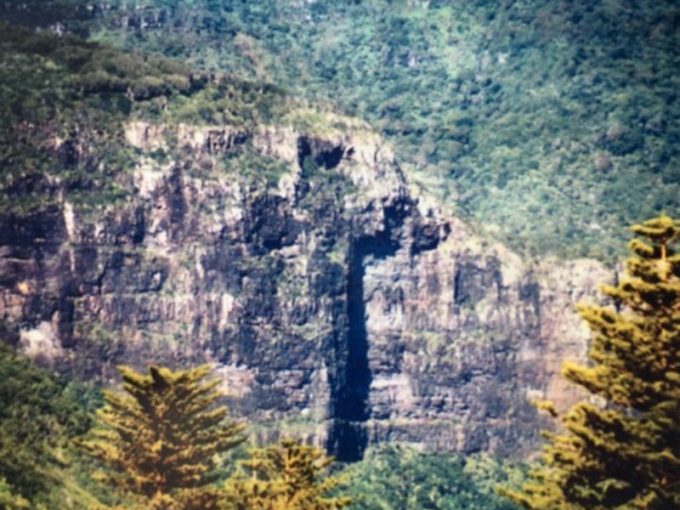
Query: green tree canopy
{"points": [[39, 416], [10, 501], [163, 436], [399, 478], [621, 450]]}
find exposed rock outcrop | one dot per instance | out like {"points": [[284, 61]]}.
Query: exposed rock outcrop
{"points": [[327, 294]]}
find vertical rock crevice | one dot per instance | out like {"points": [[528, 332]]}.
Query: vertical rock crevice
{"points": [[348, 437]]}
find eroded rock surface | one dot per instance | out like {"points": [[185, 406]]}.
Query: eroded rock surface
{"points": [[329, 297]]}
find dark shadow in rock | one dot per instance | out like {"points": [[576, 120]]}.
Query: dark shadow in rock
{"points": [[348, 437]]}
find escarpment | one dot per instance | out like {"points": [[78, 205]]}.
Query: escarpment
{"points": [[330, 297]]}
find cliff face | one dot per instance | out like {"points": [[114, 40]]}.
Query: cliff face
{"points": [[329, 296]]}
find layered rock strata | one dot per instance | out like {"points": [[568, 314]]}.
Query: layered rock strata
{"points": [[332, 299]]}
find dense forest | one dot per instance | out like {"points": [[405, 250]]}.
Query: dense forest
{"points": [[550, 124], [549, 127]]}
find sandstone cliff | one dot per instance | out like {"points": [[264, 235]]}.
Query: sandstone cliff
{"points": [[329, 295]]}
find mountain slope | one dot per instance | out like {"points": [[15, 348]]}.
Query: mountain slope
{"points": [[154, 214], [551, 124]]}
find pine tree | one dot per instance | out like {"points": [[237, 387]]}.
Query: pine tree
{"points": [[162, 437], [622, 449], [287, 476]]}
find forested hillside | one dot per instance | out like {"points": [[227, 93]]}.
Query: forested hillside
{"points": [[65, 101], [551, 124], [367, 224], [548, 124]]}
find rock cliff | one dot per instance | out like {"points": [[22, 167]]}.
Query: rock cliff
{"points": [[333, 299]]}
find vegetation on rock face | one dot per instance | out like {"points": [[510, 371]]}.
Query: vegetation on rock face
{"points": [[286, 476], [553, 124], [65, 102], [58, 15], [623, 449], [162, 437]]}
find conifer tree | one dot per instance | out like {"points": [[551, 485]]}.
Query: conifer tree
{"points": [[621, 450], [287, 476], [162, 437]]}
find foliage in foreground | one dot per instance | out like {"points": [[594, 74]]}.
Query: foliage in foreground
{"points": [[622, 451], [286, 476], [10, 501], [394, 478], [43, 419], [163, 436], [39, 417]]}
